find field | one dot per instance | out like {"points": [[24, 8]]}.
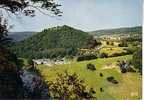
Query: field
{"points": [[128, 88], [112, 50]]}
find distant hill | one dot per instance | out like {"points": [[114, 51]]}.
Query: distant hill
{"points": [[125, 30], [19, 36], [54, 42]]}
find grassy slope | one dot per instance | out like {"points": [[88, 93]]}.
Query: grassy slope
{"points": [[129, 83], [112, 50]]}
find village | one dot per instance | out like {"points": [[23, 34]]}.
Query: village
{"points": [[50, 62]]}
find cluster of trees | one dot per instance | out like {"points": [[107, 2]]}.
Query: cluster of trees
{"points": [[123, 44], [137, 60], [125, 66], [86, 57], [54, 42]]}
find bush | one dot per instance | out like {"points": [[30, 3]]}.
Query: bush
{"points": [[123, 44], [130, 69], [112, 80], [103, 55], [107, 43], [101, 75], [86, 57], [123, 70], [91, 67]]}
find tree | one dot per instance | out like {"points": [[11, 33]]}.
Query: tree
{"points": [[28, 7], [107, 43], [137, 60], [69, 87], [3, 31], [10, 82], [91, 67], [103, 55]]}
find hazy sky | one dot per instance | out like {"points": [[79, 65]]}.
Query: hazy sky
{"points": [[88, 15]]}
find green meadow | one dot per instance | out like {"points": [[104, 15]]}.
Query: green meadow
{"points": [[128, 88]]}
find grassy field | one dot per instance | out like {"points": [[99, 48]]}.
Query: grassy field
{"points": [[128, 88], [112, 50]]}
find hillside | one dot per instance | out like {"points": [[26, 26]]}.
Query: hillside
{"points": [[125, 30], [19, 36], [53, 42]]}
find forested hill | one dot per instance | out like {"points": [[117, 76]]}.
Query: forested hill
{"points": [[53, 42], [125, 30]]}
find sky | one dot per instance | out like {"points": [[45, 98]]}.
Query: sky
{"points": [[87, 15]]}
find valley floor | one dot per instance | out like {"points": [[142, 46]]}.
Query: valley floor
{"points": [[128, 88]]}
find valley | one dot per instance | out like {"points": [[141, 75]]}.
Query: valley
{"points": [[129, 86], [106, 63]]}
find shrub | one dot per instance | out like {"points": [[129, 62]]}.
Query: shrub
{"points": [[86, 57], [107, 43], [112, 80], [101, 90], [123, 44], [101, 75], [130, 69], [103, 55], [91, 67], [123, 70]]}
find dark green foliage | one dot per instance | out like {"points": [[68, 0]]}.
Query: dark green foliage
{"points": [[123, 70], [125, 66], [137, 60], [69, 87], [20, 63], [86, 57], [132, 49], [54, 42], [91, 67], [30, 61], [10, 81], [103, 55], [123, 44], [101, 90], [101, 75], [112, 80], [107, 43], [130, 69]]}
